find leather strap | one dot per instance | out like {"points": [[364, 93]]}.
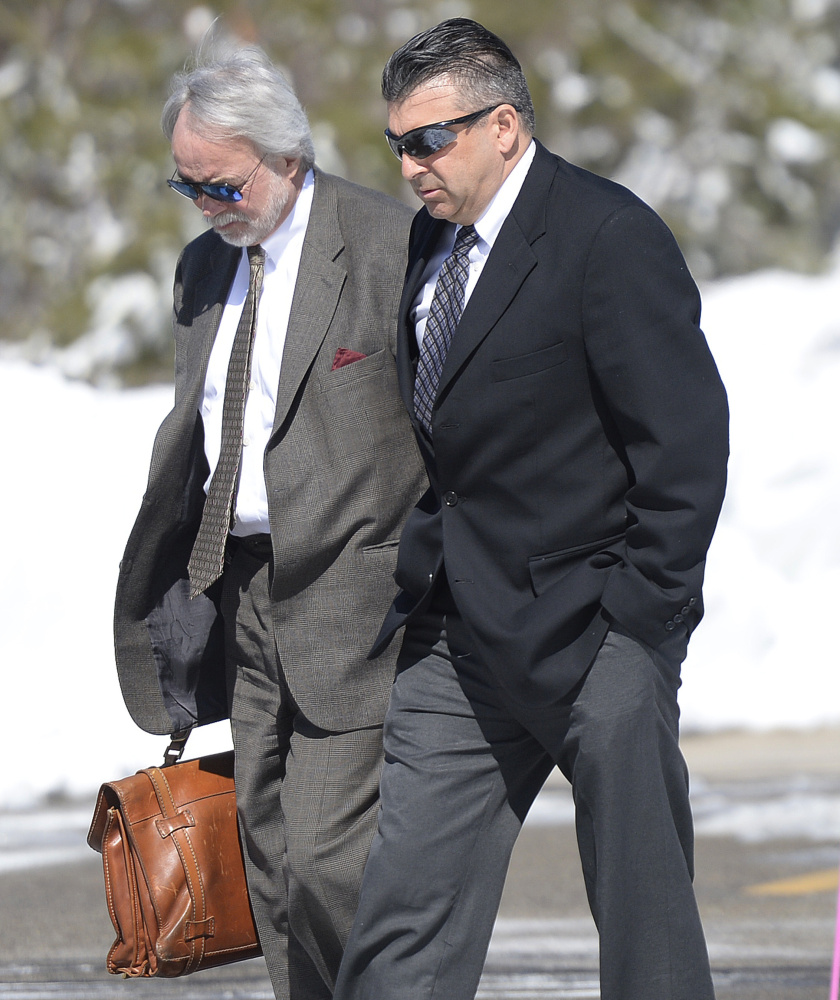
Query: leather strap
{"points": [[181, 838]]}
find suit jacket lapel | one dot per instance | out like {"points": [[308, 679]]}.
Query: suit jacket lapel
{"points": [[509, 263], [316, 295], [426, 241]]}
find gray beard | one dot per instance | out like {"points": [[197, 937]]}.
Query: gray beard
{"points": [[256, 230]]}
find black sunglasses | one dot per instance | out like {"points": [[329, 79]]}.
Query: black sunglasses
{"points": [[218, 192], [422, 142]]}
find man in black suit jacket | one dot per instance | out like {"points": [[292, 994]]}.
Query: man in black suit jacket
{"points": [[550, 578]]}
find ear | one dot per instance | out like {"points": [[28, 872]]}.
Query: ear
{"points": [[507, 121], [285, 166]]}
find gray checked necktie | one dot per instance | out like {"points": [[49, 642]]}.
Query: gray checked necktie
{"points": [[208, 554], [444, 314]]}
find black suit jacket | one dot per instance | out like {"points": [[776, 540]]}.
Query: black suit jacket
{"points": [[580, 436]]}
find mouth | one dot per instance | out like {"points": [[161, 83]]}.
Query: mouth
{"points": [[227, 219]]}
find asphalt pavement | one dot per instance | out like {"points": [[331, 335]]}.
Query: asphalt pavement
{"points": [[767, 811]]}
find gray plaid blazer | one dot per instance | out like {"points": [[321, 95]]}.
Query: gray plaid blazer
{"points": [[342, 472]]}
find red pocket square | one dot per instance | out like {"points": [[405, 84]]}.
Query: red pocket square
{"points": [[343, 357]]}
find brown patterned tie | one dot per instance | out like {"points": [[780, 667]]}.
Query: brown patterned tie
{"points": [[208, 555]]}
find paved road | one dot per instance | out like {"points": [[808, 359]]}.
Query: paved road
{"points": [[767, 809]]}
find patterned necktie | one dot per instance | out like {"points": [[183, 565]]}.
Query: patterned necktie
{"points": [[444, 314], [208, 555]]}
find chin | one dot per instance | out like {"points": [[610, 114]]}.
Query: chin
{"points": [[236, 241], [243, 237], [439, 211]]}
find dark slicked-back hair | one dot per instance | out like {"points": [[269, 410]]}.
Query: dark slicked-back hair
{"points": [[467, 55]]}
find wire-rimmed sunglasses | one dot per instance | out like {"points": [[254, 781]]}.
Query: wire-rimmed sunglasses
{"points": [[218, 192], [427, 139]]}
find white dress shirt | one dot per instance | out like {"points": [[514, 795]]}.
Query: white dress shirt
{"points": [[282, 262], [487, 227]]}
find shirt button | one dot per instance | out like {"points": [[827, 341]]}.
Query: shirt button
{"points": [[450, 498]]}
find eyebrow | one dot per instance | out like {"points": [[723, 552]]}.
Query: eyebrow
{"points": [[192, 180], [221, 180]]}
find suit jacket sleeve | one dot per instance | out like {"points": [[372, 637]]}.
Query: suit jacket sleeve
{"points": [[667, 404]]}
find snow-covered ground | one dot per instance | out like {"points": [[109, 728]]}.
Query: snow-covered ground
{"points": [[76, 460]]}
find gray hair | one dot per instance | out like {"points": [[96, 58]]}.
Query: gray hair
{"points": [[241, 93]]}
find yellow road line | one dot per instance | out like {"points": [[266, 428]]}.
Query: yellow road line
{"points": [[801, 885]]}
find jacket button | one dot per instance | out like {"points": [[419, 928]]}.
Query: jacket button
{"points": [[670, 626], [679, 618], [450, 498], [686, 610]]}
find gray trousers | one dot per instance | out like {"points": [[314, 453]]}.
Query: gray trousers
{"points": [[461, 773], [307, 799]]}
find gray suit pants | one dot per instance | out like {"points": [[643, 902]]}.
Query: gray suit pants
{"points": [[307, 798], [464, 764]]}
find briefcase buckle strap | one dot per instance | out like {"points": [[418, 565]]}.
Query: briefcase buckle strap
{"points": [[167, 825], [199, 929]]}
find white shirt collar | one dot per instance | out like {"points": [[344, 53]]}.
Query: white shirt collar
{"points": [[493, 217], [294, 225], [488, 227]]}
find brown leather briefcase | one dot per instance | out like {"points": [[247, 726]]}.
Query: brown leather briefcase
{"points": [[174, 874]]}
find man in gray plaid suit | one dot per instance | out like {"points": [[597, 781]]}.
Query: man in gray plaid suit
{"points": [[327, 472]]}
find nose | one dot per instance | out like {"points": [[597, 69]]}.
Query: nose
{"points": [[209, 206], [411, 168]]}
